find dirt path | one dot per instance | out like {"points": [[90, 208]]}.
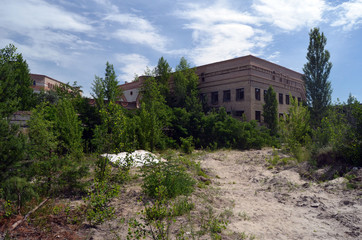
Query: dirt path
{"points": [[272, 204]]}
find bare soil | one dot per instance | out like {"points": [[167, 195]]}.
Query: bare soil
{"points": [[278, 204]]}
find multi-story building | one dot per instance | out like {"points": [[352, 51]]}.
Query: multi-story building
{"points": [[45, 83], [239, 85]]}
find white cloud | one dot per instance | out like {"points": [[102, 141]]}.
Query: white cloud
{"points": [[291, 14], [46, 31], [220, 32], [349, 14], [38, 14], [136, 30], [132, 64]]}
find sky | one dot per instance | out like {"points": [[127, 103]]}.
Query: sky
{"points": [[72, 40]]}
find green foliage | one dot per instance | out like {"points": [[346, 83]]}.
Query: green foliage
{"points": [[275, 159], [352, 148], [55, 148], [69, 128], [270, 111], [98, 209], [185, 81], [162, 74], [15, 82], [295, 130], [182, 206], [333, 130], [109, 135], [226, 131], [107, 88], [12, 150], [154, 115], [168, 175], [316, 73], [18, 190], [212, 224], [187, 145]]}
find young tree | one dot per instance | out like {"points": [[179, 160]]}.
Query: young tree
{"points": [[316, 72], [295, 130], [270, 110], [107, 88], [15, 91], [12, 149], [186, 81]]}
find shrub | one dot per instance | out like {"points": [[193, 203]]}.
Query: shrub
{"points": [[173, 177], [98, 209], [187, 145]]}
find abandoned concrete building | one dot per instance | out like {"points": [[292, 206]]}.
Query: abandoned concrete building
{"points": [[43, 82], [238, 85]]}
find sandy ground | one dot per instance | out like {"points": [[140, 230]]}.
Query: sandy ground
{"points": [[260, 202], [278, 204]]}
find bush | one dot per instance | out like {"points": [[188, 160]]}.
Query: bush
{"points": [[187, 144], [98, 209], [173, 177]]}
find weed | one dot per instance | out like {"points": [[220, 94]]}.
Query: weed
{"points": [[244, 216], [182, 206]]}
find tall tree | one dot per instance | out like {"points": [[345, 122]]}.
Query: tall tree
{"points": [[107, 88], [270, 110], [316, 73], [186, 81], [15, 91], [162, 75], [112, 91]]}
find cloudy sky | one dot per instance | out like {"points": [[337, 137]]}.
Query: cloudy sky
{"points": [[72, 40]]}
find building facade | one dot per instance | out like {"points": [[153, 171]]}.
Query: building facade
{"points": [[43, 82], [239, 85]]}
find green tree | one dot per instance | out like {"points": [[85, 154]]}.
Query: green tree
{"points": [[185, 81], [295, 130], [107, 88], [162, 74], [15, 91], [43, 146], [316, 73], [12, 149], [270, 111], [69, 127], [155, 113]]}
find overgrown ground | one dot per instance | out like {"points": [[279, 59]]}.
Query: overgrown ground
{"points": [[238, 195]]}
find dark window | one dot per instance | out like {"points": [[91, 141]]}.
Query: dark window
{"points": [[226, 96], [287, 99], [238, 113], [131, 93], [299, 100], [239, 94], [257, 116], [34, 83], [280, 98], [257, 94], [265, 91], [273, 77], [203, 77], [281, 116], [280, 79], [214, 98], [228, 113]]}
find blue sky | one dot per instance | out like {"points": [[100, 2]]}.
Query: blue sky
{"points": [[72, 40]]}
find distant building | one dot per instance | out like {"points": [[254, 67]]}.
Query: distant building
{"points": [[43, 82], [239, 85]]}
